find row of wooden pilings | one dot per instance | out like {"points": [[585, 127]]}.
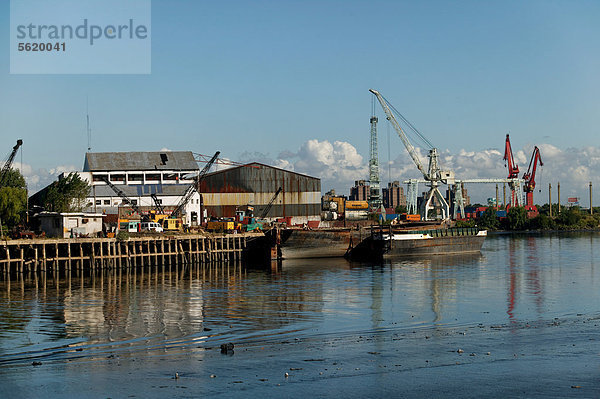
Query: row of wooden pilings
{"points": [[106, 253]]}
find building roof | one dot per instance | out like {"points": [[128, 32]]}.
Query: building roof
{"points": [[142, 161], [257, 178], [258, 165]]}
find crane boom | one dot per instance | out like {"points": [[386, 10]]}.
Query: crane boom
{"points": [[529, 176], [157, 204], [409, 147], [7, 165], [265, 211], [192, 188], [513, 169], [123, 196]]}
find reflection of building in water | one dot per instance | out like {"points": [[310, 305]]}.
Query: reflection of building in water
{"points": [[176, 304]]}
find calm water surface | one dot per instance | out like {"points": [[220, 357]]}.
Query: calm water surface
{"points": [[515, 279]]}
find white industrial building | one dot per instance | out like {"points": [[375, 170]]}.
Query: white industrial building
{"points": [[138, 175]]}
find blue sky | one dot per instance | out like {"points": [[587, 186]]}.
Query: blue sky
{"points": [[259, 79]]}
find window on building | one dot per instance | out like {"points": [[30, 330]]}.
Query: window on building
{"points": [[136, 177], [99, 177], [106, 202], [170, 176], [117, 177], [98, 202], [153, 176], [84, 221]]}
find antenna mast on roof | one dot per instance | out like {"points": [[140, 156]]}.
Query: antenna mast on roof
{"points": [[88, 130]]}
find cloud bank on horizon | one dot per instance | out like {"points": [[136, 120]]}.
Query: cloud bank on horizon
{"points": [[339, 165]]}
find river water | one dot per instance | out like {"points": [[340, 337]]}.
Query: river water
{"points": [[518, 320]]}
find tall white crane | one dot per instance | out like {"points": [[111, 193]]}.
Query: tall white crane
{"points": [[433, 175], [375, 195]]}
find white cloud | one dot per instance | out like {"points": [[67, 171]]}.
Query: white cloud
{"points": [[339, 164], [37, 179]]}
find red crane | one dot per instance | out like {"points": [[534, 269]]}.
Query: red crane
{"points": [[513, 169], [513, 173], [529, 178]]}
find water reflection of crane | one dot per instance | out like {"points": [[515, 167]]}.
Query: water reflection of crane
{"points": [[534, 283], [512, 273], [533, 280]]}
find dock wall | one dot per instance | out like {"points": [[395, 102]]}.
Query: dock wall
{"points": [[106, 253]]}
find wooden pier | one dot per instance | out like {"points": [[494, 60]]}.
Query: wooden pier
{"points": [[109, 253]]}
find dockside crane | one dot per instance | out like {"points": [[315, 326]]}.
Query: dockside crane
{"points": [[192, 188], [433, 175], [8, 163], [513, 168], [265, 211], [124, 197], [157, 204], [516, 194], [529, 178]]}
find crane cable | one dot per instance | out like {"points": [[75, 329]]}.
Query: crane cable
{"points": [[420, 136]]}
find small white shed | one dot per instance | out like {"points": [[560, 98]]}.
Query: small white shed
{"points": [[65, 225]]}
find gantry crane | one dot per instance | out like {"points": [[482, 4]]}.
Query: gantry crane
{"points": [[516, 194], [8, 164], [529, 178], [433, 175]]}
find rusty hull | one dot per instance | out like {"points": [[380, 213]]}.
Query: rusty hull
{"points": [[320, 243]]}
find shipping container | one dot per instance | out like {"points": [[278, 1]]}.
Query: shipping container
{"points": [[357, 205]]}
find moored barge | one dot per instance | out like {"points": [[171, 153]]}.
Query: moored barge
{"points": [[441, 241], [376, 242]]}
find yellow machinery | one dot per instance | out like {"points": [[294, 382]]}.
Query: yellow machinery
{"points": [[171, 224], [221, 225]]}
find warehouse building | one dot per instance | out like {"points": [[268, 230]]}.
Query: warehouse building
{"points": [[255, 185]]}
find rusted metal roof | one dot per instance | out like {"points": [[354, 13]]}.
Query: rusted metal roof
{"points": [[259, 178], [142, 161]]}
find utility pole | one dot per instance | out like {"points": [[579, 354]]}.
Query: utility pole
{"points": [[558, 188], [550, 197], [497, 204], [591, 208]]}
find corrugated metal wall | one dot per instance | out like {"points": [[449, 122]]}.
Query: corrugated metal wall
{"points": [[255, 185]]}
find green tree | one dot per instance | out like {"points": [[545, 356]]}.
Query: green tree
{"points": [[67, 194], [569, 217], [488, 219], [401, 209], [517, 218], [542, 222], [13, 198]]}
